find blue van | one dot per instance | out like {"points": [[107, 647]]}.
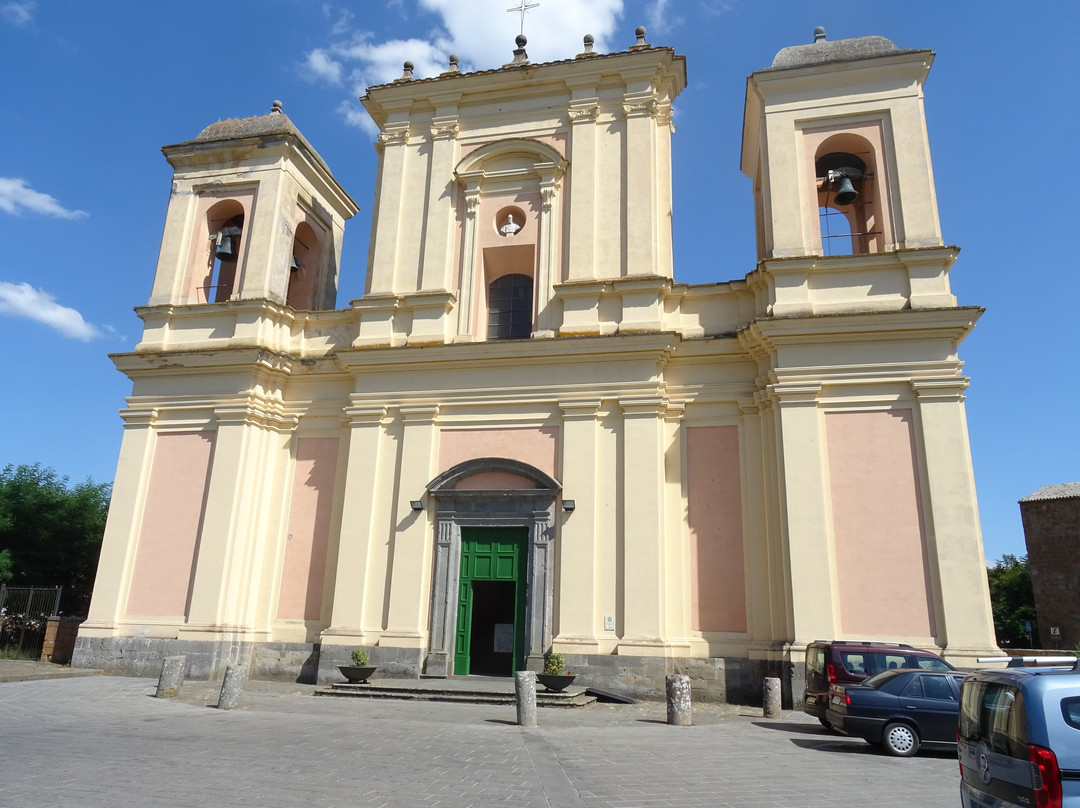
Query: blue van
{"points": [[1018, 736]]}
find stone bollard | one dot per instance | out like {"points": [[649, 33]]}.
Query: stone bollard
{"points": [[525, 691], [678, 700], [231, 686], [172, 677], [772, 697]]}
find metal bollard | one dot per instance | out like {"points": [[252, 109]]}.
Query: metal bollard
{"points": [[772, 697], [172, 677], [525, 691], [678, 700], [231, 686]]}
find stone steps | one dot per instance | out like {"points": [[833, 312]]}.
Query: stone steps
{"points": [[413, 691]]}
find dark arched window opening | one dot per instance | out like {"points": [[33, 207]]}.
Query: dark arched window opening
{"points": [[510, 303]]}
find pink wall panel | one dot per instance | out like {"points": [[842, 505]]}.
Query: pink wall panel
{"points": [[172, 521], [714, 493], [310, 515], [881, 565], [537, 447]]}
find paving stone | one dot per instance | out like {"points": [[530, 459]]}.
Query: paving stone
{"points": [[104, 741]]}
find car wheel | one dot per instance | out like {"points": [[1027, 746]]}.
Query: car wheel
{"points": [[825, 723], [900, 740]]}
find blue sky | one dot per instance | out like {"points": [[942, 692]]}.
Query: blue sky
{"points": [[91, 91]]}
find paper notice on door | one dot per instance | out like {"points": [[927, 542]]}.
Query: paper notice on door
{"points": [[504, 638]]}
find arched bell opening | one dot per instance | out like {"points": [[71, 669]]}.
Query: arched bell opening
{"points": [[849, 208], [225, 229], [304, 268], [479, 505]]}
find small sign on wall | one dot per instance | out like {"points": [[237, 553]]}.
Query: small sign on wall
{"points": [[504, 638], [1055, 631]]}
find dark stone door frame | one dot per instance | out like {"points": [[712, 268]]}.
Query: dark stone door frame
{"points": [[533, 508]]}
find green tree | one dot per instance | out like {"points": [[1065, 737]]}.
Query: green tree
{"points": [[1012, 601], [50, 531]]}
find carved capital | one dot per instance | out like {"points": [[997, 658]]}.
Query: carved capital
{"points": [[639, 107], [394, 137], [472, 202], [445, 129], [584, 114]]}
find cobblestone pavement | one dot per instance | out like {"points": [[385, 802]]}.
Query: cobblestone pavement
{"points": [[105, 741]]}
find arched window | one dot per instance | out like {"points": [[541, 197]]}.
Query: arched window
{"points": [[510, 307], [835, 232]]}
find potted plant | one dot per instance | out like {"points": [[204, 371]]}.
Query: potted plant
{"points": [[359, 670], [555, 676]]}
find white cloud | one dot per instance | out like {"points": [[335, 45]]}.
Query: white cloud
{"points": [[481, 32], [661, 16], [18, 14], [323, 66], [23, 300], [15, 195]]}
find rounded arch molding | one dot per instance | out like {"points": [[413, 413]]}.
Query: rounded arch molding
{"points": [[457, 508]]}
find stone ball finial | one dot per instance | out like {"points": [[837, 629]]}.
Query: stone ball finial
{"points": [[454, 62], [275, 107], [819, 33], [639, 32], [588, 39], [521, 41], [407, 71]]}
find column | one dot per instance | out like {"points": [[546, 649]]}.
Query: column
{"points": [[410, 570], [447, 572], [641, 257], [643, 526], [353, 575], [577, 538], [954, 535]]}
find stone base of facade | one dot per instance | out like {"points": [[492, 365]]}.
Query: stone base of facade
{"points": [[715, 679]]}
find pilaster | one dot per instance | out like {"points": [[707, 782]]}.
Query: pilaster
{"points": [[120, 542], [410, 545], [437, 267], [577, 630], [641, 250], [954, 536], [469, 248], [385, 234], [354, 581], [805, 518], [583, 114], [643, 558]]}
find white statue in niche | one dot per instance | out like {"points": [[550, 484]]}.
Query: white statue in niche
{"points": [[511, 227]]}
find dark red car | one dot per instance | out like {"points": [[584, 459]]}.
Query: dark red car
{"points": [[842, 662]]}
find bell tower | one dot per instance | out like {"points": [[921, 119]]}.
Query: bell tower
{"points": [[835, 141], [254, 214]]}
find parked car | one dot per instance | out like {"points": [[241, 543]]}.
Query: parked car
{"points": [[1018, 738], [842, 662], [901, 709]]}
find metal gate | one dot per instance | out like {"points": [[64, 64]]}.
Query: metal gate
{"points": [[24, 611]]}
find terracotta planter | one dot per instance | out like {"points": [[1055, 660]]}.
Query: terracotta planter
{"points": [[355, 674], [555, 682]]}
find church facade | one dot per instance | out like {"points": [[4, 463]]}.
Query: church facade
{"points": [[527, 436]]}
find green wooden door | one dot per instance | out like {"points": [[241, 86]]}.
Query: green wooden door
{"points": [[491, 601]]}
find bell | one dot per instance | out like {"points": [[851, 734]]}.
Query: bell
{"points": [[845, 192], [227, 243], [293, 266]]}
